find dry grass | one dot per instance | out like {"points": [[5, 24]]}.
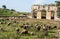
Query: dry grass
{"points": [[9, 31]]}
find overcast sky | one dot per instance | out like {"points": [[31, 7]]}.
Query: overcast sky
{"points": [[23, 5]]}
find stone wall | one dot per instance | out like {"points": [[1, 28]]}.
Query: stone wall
{"points": [[48, 11]]}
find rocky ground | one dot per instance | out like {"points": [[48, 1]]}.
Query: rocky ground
{"points": [[29, 29]]}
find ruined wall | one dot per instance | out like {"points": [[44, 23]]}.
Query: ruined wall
{"points": [[48, 9]]}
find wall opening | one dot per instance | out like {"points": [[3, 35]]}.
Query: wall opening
{"points": [[35, 13], [52, 14], [58, 12], [43, 14]]}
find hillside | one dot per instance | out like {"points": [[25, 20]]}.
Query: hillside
{"points": [[25, 28], [8, 12], [28, 29]]}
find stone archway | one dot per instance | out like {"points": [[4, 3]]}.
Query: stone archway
{"points": [[58, 14], [52, 14], [34, 13], [58, 11], [43, 14]]}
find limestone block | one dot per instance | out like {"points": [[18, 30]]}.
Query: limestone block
{"points": [[48, 15], [38, 15], [55, 16]]}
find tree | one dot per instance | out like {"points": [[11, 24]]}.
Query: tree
{"points": [[4, 6]]}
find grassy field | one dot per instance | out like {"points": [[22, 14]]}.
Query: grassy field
{"points": [[8, 12], [12, 29]]}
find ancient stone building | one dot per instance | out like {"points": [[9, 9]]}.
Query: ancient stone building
{"points": [[45, 11]]}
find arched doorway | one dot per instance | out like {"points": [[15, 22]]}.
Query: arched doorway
{"points": [[52, 14], [43, 14], [34, 13], [58, 12]]}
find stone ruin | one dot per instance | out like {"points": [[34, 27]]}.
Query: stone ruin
{"points": [[45, 11]]}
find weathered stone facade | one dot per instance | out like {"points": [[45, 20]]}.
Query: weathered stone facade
{"points": [[39, 9], [44, 12]]}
